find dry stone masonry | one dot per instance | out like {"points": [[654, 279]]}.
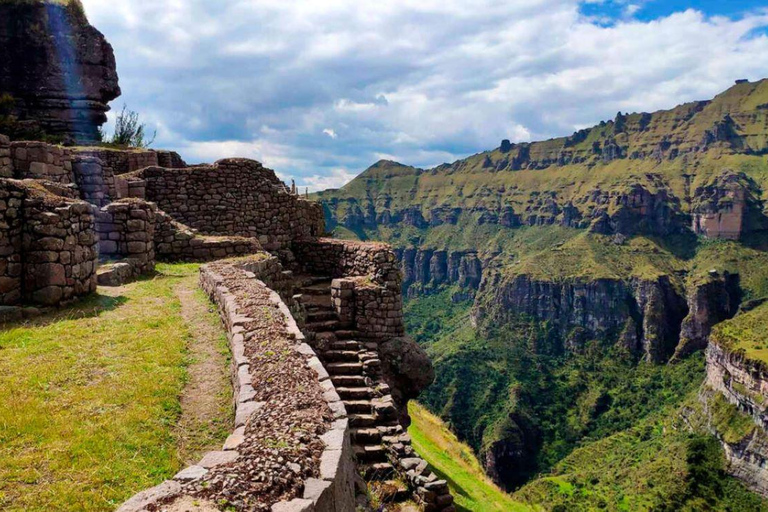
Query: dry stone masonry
{"points": [[233, 197], [49, 246], [320, 363]]}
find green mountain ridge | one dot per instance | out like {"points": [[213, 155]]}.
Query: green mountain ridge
{"points": [[552, 281]]}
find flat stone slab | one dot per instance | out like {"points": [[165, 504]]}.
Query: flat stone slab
{"points": [[213, 459], [190, 473], [140, 501], [297, 505]]}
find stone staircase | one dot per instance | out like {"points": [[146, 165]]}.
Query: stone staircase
{"points": [[354, 366]]}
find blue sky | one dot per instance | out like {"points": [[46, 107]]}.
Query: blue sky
{"points": [[319, 91]]}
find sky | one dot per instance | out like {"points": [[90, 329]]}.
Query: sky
{"points": [[321, 90]]}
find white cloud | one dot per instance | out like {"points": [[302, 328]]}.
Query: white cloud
{"points": [[336, 178], [424, 80]]}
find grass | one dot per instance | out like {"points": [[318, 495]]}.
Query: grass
{"points": [[747, 332], [455, 461], [90, 398]]}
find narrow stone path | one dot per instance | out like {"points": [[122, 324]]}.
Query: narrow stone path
{"points": [[206, 401]]}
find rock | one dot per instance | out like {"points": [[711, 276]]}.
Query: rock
{"points": [[69, 71], [408, 371]]}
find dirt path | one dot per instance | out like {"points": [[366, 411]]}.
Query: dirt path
{"points": [[206, 413]]}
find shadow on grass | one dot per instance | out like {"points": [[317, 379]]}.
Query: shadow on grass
{"points": [[456, 489], [88, 307]]}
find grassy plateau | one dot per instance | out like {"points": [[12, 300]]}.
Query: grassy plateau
{"points": [[90, 397]]}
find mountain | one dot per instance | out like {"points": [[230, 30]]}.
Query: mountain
{"points": [[566, 289]]}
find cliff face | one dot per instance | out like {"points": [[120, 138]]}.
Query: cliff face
{"points": [[57, 71], [430, 269], [644, 315]]}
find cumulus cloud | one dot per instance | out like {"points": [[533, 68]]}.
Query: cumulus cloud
{"points": [[312, 88]]}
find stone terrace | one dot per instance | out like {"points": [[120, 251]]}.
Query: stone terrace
{"points": [[311, 315]]}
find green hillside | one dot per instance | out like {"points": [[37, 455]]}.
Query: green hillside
{"points": [[568, 418]]}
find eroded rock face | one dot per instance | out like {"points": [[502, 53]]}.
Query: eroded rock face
{"points": [[58, 69], [431, 268], [728, 207], [644, 315], [710, 303]]}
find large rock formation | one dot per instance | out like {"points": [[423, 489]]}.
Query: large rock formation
{"points": [[57, 72], [728, 207], [644, 315]]}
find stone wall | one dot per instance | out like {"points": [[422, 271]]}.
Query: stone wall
{"points": [[6, 165], [234, 197], [38, 160], [130, 160], [126, 231], [95, 181], [49, 247], [11, 232], [177, 242], [316, 483], [366, 290]]}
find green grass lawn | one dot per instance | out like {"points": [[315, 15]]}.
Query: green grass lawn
{"points": [[90, 397], [449, 458]]}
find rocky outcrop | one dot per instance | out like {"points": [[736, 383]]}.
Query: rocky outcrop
{"points": [[728, 207], [709, 303], [425, 270], [636, 210], [743, 385], [57, 70], [643, 314]]}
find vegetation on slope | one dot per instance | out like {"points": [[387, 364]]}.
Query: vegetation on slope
{"points": [[89, 398], [454, 461], [660, 464], [746, 333]]}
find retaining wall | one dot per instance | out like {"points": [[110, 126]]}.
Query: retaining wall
{"points": [[326, 482], [366, 291]]}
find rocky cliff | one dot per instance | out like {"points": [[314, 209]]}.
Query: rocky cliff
{"points": [[429, 269], [57, 72]]}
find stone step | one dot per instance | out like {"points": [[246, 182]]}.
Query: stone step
{"points": [[358, 406], [346, 334], [366, 435], [328, 325], [370, 453], [341, 355], [344, 368], [360, 393], [321, 315], [349, 381], [345, 345], [377, 471], [362, 420], [314, 291], [316, 301]]}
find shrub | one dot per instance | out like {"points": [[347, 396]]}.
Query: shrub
{"points": [[129, 131]]}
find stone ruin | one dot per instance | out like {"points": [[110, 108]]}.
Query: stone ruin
{"points": [[72, 218]]}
